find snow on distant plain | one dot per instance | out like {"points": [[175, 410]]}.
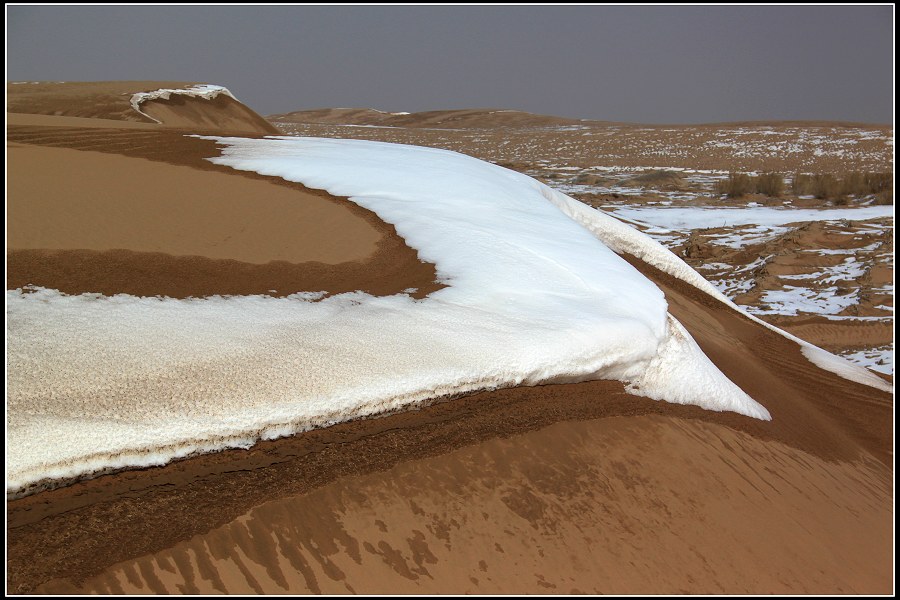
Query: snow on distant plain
{"points": [[699, 218]]}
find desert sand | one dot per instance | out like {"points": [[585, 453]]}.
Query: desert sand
{"points": [[177, 225], [567, 488], [637, 504], [116, 202]]}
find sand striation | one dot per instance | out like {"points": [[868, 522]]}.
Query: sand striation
{"points": [[623, 505]]}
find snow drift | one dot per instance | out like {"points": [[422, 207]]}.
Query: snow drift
{"points": [[533, 296]]}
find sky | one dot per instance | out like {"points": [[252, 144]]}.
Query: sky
{"points": [[648, 64]]}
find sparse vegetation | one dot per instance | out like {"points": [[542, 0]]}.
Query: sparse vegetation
{"points": [[737, 185], [885, 197], [801, 184], [741, 184], [770, 184], [854, 184], [879, 182], [826, 186]]}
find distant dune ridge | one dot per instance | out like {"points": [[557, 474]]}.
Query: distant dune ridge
{"points": [[464, 119], [564, 487], [488, 118]]}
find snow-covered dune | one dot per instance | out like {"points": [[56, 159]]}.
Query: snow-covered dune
{"points": [[199, 107], [170, 104], [533, 295]]}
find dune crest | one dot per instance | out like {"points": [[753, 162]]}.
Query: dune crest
{"points": [[200, 108]]}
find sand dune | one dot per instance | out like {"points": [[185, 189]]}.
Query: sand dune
{"points": [[587, 145], [226, 114], [112, 100], [643, 504], [490, 118], [177, 225], [563, 488], [840, 334]]}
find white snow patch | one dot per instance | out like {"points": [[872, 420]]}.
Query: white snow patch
{"points": [[702, 218], [791, 300], [879, 359]]}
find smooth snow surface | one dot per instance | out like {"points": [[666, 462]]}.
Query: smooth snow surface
{"points": [[206, 91], [102, 382]]}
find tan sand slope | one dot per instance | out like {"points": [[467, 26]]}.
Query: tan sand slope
{"points": [[645, 504], [63, 199], [221, 113], [106, 221], [111, 100], [33, 120]]}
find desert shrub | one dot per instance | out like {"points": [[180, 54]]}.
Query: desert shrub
{"points": [[885, 197], [770, 184], [853, 184], [658, 177], [826, 186], [879, 182], [801, 184], [737, 185]]}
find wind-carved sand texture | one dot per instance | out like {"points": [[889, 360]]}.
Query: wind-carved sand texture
{"points": [[554, 488], [640, 504]]}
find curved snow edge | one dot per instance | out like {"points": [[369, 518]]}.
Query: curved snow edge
{"points": [[624, 239], [205, 90]]}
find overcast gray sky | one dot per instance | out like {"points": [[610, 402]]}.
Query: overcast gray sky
{"points": [[641, 64]]}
